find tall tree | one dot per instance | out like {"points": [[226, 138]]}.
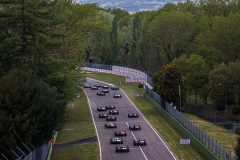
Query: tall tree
{"points": [[171, 32]]}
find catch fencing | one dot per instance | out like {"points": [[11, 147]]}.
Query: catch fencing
{"points": [[205, 139], [26, 151]]}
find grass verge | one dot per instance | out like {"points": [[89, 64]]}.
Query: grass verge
{"points": [[78, 124], [81, 152], [223, 136], [167, 132]]}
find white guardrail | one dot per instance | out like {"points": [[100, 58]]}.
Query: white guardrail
{"points": [[122, 71]]}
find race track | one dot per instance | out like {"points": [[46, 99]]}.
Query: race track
{"points": [[155, 149]]}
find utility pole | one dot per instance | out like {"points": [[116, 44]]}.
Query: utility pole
{"points": [[180, 100]]}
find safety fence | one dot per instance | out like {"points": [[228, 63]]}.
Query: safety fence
{"points": [[204, 142], [26, 151]]}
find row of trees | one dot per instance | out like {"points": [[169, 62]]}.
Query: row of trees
{"points": [[191, 75], [41, 43], [201, 36]]}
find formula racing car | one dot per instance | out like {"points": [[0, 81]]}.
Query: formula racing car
{"points": [[132, 115], [117, 96], [105, 87], [116, 140], [100, 94], [120, 133], [113, 112], [110, 107], [97, 85], [101, 109], [102, 115], [105, 91], [139, 142], [134, 127], [111, 118], [114, 88], [122, 149], [110, 125], [94, 88], [86, 86]]}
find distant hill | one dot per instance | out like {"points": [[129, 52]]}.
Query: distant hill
{"points": [[131, 5]]}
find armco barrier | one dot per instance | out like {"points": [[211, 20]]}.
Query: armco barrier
{"points": [[207, 145], [121, 71]]}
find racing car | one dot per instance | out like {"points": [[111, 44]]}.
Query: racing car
{"points": [[111, 118], [122, 149], [103, 115], [113, 112], [110, 125], [86, 86], [134, 127], [132, 115], [105, 87], [114, 88], [100, 94], [139, 142], [117, 96], [110, 107], [97, 85], [94, 88], [101, 109], [116, 140], [120, 133], [105, 91]]}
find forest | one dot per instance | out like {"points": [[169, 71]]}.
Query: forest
{"points": [[44, 42], [192, 45]]}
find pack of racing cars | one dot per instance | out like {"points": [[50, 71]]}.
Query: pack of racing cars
{"points": [[105, 89], [109, 112]]}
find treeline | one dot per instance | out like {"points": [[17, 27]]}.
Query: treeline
{"points": [[41, 43], [205, 36]]}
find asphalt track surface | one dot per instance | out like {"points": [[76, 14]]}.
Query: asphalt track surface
{"points": [[155, 148]]}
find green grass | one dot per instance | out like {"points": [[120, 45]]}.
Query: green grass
{"points": [[223, 136], [167, 132], [79, 152], [78, 124]]}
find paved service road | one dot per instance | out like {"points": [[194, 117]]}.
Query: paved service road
{"points": [[155, 149]]}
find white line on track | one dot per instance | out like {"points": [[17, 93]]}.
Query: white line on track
{"points": [[142, 116], [99, 144], [138, 146]]}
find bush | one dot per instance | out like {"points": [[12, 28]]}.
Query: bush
{"points": [[140, 85]]}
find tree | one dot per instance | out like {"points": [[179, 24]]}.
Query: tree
{"points": [[220, 84], [194, 71], [219, 39], [171, 31], [114, 37], [29, 110], [235, 70], [167, 81]]}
